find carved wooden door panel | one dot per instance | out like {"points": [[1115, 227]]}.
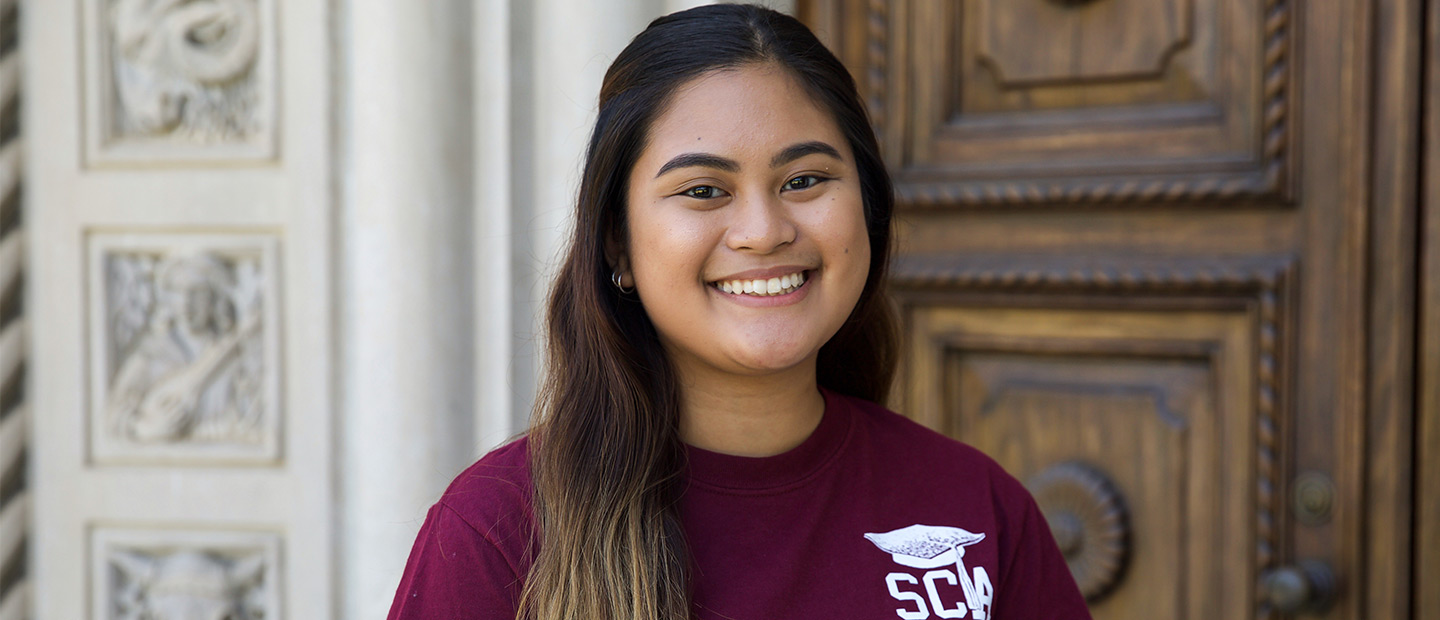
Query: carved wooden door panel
{"points": [[1133, 269]]}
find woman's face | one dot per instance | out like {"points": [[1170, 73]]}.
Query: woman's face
{"points": [[746, 184]]}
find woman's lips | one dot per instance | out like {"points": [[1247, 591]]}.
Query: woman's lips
{"points": [[786, 296]]}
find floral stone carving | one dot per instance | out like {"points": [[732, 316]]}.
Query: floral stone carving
{"points": [[184, 69]]}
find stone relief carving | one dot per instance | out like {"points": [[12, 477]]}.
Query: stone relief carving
{"points": [[180, 574], [185, 69], [188, 356], [184, 348], [188, 585]]}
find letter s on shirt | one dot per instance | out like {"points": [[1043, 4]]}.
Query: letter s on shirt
{"points": [[921, 611]]}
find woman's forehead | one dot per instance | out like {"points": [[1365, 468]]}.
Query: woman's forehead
{"points": [[746, 113]]}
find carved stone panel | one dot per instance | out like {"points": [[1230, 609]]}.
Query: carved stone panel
{"points": [[1043, 101], [184, 348], [185, 575], [173, 80]]}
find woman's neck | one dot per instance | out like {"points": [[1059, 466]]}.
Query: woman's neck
{"points": [[750, 416]]}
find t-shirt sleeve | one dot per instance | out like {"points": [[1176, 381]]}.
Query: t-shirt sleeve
{"points": [[455, 572], [1038, 585]]}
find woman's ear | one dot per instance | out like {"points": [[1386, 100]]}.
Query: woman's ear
{"points": [[619, 261]]}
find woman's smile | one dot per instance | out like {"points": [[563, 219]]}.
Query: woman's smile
{"points": [[761, 288], [764, 292]]}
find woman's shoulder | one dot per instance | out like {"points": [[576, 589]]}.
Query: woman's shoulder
{"points": [[475, 543], [494, 494]]}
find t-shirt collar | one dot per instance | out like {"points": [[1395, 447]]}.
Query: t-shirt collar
{"points": [[773, 473]]}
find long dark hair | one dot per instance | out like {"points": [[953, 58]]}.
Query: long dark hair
{"points": [[605, 454]]}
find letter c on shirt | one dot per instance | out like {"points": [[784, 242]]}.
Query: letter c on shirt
{"points": [[920, 612], [930, 577]]}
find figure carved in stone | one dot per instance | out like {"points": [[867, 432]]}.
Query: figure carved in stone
{"points": [[185, 68], [188, 585], [185, 332]]}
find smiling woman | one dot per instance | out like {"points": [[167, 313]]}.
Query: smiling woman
{"points": [[709, 442]]}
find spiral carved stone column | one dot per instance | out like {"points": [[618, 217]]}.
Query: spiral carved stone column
{"points": [[14, 497]]}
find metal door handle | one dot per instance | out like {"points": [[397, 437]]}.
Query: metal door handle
{"points": [[1307, 587]]}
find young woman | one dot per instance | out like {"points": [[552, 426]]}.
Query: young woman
{"points": [[709, 443]]}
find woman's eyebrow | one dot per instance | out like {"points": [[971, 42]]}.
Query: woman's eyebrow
{"points": [[706, 160], [796, 151]]}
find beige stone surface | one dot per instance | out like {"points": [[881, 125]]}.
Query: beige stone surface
{"points": [[229, 422]]}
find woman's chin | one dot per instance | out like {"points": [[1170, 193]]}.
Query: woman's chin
{"points": [[768, 362], [745, 359]]}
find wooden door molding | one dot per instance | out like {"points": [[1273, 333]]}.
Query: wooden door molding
{"points": [[1200, 112], [1389, 547], [1427, 484], [1199, 343], [1113, 274]]}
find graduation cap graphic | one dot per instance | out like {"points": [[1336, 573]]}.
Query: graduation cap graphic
{"points": [[925, 546], [931, 546]]}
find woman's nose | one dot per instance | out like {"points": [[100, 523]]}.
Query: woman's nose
{"points": [[759, 223]]}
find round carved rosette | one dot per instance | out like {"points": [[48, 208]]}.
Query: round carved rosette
{"points": [[1087, 516]]}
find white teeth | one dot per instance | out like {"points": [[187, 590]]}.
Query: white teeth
{"points": [[764, 287]]}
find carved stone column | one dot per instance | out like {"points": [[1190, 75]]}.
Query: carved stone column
{"points": [[405, 335], [14, 496]]}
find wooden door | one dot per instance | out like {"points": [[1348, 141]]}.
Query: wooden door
{"points": [[1156, 258]]}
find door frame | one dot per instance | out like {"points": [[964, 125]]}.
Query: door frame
{"points": [[1390, 425], [1427, 461]]}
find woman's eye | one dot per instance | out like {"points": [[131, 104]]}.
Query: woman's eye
{"points": [[805, 181], [703, 192]]}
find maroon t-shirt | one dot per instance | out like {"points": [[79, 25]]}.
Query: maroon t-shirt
{"points": [[872, 516]]}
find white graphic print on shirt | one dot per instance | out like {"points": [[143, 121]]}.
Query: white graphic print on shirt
{"points": [[931, 547]]}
